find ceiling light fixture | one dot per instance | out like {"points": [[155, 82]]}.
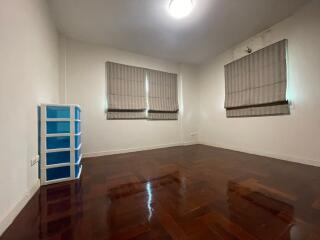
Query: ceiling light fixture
{"points": [[180, 8]]}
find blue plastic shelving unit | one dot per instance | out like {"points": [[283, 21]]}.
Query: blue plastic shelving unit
{"points": [[59, 143]]}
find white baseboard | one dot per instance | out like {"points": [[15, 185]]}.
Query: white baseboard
{"points": [[190, 143], [13, 213], [288, 158], [128, 150]]}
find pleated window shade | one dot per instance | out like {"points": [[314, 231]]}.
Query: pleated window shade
{"points": [[162, 95], [126, 92], [256, 85]]}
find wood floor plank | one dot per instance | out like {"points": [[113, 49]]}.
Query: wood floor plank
{"points": [[189, 192]]}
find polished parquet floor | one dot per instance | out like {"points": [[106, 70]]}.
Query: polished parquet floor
{"points": [[191, 192]]}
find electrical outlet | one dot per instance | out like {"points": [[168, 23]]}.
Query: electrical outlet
{"points": [[291, 105], [35, 160], [193, 134]]}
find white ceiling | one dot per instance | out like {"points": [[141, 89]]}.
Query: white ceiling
{"points": [[145, 27]]}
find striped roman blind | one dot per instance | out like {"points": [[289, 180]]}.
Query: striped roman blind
{"points": [[256, 85], [162, 95], [126, 91]]}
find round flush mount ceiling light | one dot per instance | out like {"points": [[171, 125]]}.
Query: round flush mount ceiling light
{"points": [[180, 8]]}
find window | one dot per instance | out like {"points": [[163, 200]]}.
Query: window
{"points": [[162, 95], [256, 85], [126, 92], [138, 93]]}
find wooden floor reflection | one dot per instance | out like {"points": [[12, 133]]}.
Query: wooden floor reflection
{"points": [[191, 192]]}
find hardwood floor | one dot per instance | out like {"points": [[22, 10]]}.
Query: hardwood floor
{"points": [[192, 192]]}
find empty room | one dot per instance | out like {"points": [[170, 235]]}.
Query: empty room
{"points": [[160, 119]]}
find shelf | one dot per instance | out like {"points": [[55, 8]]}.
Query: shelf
{"points": [[57, 150], [61, 120], [58, 134], [58, 180], [57, 165], [79, 161], [61, 105], [61, 134], [58, 119], [60, 142], [62, 149], [79, 173]]}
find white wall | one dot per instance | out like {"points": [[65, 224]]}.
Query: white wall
{"points": [[83, 74], [295, 137], [28, 76], [30, 69], [189, 106]]}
